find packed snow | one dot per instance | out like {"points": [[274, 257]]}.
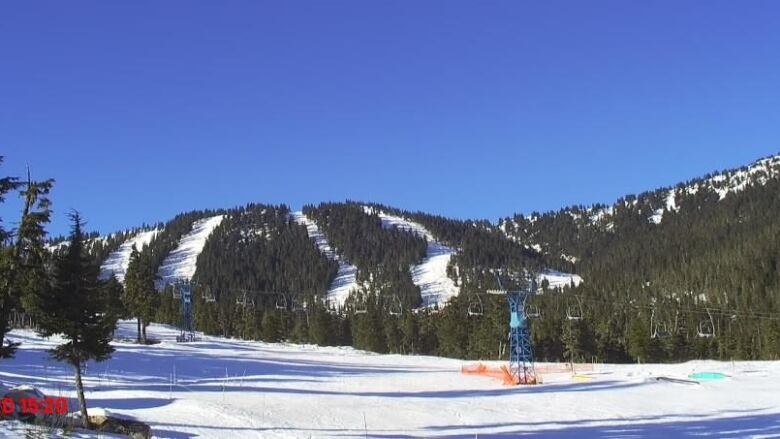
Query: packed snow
{"points": [[117, 262], [224, 388], [181, 262], [436, 288], [345, 280]]}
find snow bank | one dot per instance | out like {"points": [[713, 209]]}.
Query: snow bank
{"points": [[181, 263], [346, 277]]}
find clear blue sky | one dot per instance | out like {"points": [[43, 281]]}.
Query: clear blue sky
{"points": [[143, 109]]}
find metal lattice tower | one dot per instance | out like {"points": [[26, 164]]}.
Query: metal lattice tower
{"points": [[521, 355], [185, 289]]}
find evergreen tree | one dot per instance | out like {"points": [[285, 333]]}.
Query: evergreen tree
{"points": [[76, 306], [271, 327], [113, 293], [409, 334], [367, 330], [639, 342], [22, 257], [322, 330], [168, 311], [141, 298]]}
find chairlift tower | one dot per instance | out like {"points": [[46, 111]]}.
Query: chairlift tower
{"points": [[184, 290], [521, 355]]}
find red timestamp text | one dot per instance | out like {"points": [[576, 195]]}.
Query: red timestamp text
{"points": [[34, 406]]}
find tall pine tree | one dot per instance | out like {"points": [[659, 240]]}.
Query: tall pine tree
{"points": [[22, 256], [76, 307], [141, 297]]}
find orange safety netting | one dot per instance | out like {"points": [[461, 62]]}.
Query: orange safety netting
{"points": [[502, 373]]}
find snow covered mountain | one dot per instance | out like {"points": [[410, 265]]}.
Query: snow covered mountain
{"points": [[560, 241]]}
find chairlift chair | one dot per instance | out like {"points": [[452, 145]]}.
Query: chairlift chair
{"points": [[706, 330], [176, 293], [244, 301], [660, 330], [707, 327], [207, 295], [361, 307], [281, 302], [532, 312], [297, 305], [396, 307], [573, 310], [475, 307]]}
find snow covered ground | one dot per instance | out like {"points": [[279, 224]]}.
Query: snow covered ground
{"points": [[229, 388], [117, 262], [181, 263], [436, 288], [345, 280], [558, 279]]}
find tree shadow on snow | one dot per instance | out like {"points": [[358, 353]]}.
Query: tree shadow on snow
{"points": [[128, 403], [620, 428]]}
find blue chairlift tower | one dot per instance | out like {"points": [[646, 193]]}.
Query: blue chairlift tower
{"points": [[521, 355], [183, 291]]}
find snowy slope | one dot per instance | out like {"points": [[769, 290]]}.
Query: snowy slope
{"points": [[345, 280], [725, 183], [62, 244], [722, 183], [181, 263], [117, 261], [557, 279], [241, 389], [430, 275]]}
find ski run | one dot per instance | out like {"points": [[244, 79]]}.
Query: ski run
{"points": [[436, 288], [558, 280], [180, 264], [345, 281], [117, 262], [225, 388]]}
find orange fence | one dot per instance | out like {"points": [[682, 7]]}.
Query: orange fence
{"points": [[502, 372]]}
